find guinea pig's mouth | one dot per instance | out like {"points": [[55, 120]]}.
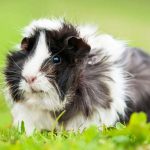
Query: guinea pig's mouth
{"points": [[41, 87], [34, 90], [37, 91]]}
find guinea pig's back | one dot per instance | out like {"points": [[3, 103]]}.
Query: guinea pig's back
{"points": [[137, 64]]}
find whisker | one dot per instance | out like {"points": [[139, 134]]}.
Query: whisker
{"points": [[60, 92], [12, 72], [13, 85], [15, 91], [50, 76], [12, 79], [22, 92], [15, 63], [46, 63]]}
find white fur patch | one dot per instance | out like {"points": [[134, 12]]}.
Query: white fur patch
{"points": [[33, 64], [53, 24], [87, 31], [80, 122], [110, 46]]}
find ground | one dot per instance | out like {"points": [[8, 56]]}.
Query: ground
{"points": [[127, 20]]}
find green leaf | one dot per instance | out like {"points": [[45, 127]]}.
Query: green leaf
{"points": [[22, 127], [120, 126], [138, 118]]}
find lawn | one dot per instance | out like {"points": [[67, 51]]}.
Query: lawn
{"points": [[127, 20]]}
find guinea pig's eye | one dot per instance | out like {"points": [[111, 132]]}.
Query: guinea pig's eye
{"points": [[56, 59]]}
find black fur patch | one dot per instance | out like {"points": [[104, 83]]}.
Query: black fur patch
{"points": [[87, 89]]}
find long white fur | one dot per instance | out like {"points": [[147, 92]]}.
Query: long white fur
{"points": [[34, 63], [37, 107], [34, 119], [53, 24]]}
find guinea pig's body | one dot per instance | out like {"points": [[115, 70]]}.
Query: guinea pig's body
{"points": [[67, 76]]}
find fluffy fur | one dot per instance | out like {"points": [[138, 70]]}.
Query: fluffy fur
{"points": [[69, 70]]}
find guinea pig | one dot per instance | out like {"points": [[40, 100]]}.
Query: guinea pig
{"points": [[65, 75]]}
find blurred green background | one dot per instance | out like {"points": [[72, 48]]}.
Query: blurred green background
{"points": [[125, 19]]}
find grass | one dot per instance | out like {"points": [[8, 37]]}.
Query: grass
{"points": [[135, 136], [128, 20]]}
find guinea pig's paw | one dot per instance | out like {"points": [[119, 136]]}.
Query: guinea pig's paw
{"points": [[23, 118], [30, 130]]}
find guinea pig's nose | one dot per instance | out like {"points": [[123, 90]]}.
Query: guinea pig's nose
{"points": [[30, 79]]}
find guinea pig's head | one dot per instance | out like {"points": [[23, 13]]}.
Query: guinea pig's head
{"points": [[47, 65]]}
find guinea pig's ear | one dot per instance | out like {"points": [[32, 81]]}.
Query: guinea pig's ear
{"points": [[25, 44], [78, 46]]}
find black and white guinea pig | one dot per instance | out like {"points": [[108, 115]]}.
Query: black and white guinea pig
{"points": [[69, 71]]}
